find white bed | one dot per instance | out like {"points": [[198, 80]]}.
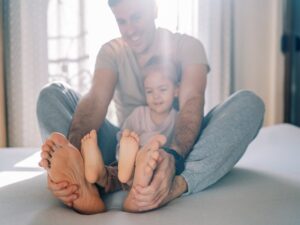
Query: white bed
{"points": [[263, 188]]}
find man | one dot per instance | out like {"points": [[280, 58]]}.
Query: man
{"points": [[210, 145]]}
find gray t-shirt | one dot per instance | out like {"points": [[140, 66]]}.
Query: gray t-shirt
{"points": [[117, 56]]}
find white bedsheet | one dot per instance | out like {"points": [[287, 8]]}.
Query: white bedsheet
{"points": [[263, 188]]}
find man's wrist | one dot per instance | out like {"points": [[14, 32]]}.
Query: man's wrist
{"points": [[75, 139], [179, 160]]}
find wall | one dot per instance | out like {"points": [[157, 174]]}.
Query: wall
{"points": [[258, 60]]}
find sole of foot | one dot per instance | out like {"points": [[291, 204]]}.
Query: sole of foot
{"points": [[67, 165], [129, 146], [146, 163], [93, 161]]}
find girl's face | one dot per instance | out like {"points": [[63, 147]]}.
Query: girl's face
{"points": [[160, 92]]}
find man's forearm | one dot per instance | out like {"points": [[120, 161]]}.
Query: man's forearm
{"points": [[188, 125], [86, 117]]}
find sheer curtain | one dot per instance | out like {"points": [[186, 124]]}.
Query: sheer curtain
{"points": [[47, 40], [212, 23], [25, 36], [67, 43], [76, 31], [242, 40]]}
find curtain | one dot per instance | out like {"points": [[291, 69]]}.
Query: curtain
{"points": [[220, 51], [25, 37], [242, 41], [47, 40], [67, 43], [212, 23], [2, 100]]}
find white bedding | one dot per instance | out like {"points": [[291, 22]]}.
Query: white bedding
{"points": [[263, 188]]}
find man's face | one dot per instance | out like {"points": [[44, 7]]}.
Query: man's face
{"points": [[136, 21]]}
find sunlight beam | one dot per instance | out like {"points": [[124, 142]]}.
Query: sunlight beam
{"points": [[11, 177]]}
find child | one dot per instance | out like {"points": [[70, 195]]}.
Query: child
{"points": [[149, 127]]}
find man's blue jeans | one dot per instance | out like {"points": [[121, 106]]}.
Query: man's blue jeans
{"points": [[226, 132]]}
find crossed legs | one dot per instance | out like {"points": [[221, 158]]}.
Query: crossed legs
{"points": [[53, 117], [242, 113]]}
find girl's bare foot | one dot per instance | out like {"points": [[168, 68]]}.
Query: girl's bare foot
{"points": [[66, 164], [129, 146], [93, 162], [146, 162]]}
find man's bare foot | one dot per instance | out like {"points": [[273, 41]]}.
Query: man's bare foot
{"points": [[129, 146], [47, 150], [66, 164], [146, 162], [93, 162]]}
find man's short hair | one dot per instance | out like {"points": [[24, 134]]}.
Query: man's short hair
{"points": [[112, 3]]}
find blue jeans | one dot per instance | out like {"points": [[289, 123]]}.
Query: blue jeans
{"points": [[226, 132]]}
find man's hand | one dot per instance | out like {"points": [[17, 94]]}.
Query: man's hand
{"points": [[158, 192], [64, 191]]}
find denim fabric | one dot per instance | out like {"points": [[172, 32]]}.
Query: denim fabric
{"points": [[55, 108]]}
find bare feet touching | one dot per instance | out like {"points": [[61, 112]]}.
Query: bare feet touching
{"points": [[146, 162], [66, 164], [94, 167], [129, 146]]}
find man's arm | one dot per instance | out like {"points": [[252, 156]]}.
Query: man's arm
{"points": [[191, 107], [92, 108]]}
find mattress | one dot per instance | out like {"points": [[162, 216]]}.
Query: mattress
{"points": [[263, 188]]}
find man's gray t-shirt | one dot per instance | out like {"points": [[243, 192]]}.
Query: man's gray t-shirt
{"points": [[117, 56]]}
